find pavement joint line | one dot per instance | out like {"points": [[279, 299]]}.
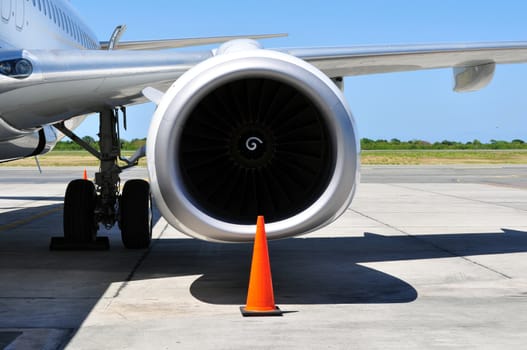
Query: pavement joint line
{"points": [[138, 264], [27, 220], [497, 184], [453, 254], [458, 197]]}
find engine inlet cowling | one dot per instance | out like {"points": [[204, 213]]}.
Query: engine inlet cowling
{"points": [[247, 134], [254, 147]]}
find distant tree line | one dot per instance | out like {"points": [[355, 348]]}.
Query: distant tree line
{"points": [[366, 144], [125, 145], [395, 144]]}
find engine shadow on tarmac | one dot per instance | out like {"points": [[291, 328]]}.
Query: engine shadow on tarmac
{"points": [[317, 270]]}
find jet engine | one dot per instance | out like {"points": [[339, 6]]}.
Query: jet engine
{"points": [[252, 132]]}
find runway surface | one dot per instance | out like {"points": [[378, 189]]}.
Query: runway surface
{"points": [[425, 258]]}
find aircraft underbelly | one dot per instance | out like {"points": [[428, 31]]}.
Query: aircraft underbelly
{"points": [[65, 100]]}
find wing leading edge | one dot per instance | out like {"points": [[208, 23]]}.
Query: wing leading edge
{"points": [[178, 43]]}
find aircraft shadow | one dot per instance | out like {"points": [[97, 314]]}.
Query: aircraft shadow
{"points": [[17, 214], [32, 198], [53, 289], [59, 289]]}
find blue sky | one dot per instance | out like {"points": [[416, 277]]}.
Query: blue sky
{"points": [[409, 105]]}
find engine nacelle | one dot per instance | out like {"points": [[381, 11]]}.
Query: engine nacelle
{"points": [[250, 133]]}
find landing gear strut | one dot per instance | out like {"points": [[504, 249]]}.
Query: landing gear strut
{"points": [[86, 205]]}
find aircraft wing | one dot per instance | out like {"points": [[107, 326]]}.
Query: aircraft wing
{"points": [[69, 83]]}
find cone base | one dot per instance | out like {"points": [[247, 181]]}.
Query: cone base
{"points": [[247, 313]]}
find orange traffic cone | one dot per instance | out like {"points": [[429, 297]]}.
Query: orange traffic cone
{"points": [[260, 297], [85, 174]]}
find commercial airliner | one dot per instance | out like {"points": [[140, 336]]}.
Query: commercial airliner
{"points": [[239, 131]]}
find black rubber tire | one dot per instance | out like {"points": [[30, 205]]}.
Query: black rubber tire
{"points": [[79, 212], [136, 214]]}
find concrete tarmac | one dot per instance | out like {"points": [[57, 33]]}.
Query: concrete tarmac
{"points": [[425, 258]]}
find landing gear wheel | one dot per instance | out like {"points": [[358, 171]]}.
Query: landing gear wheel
{"points": [[136, 214], [79, 212]]}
